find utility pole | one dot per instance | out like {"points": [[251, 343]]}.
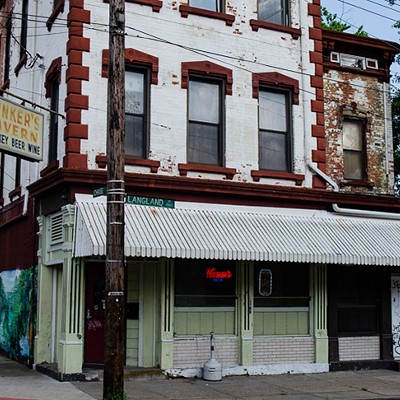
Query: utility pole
{"points": [[114, 340]]}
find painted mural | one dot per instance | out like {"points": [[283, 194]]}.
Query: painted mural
{"points": [[18, 289]]}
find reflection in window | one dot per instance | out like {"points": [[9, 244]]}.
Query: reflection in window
{"points": [[273, 11], [353, 149], [205, 136], [211, 5], [274, 130], [136, 113]]}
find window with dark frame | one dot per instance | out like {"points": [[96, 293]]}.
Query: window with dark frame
{"points": [[17, 172], [205, 283], [275, 130], [274, 11], [281, 285], [7, 55], [211, 5], [53, 131], [136, 112], [2, 158], [205, 128], [24, 28], [353, 149]]}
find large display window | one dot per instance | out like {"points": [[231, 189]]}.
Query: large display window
{"points": [[205, 283]]}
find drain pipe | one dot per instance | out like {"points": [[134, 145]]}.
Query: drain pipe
{"points": [[352, 212]]}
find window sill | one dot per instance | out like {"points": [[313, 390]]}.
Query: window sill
{"points": [[56, 11], [256, 24], [356, 183], [21, 63], [53, 166], [185, 10], [16, 193], [213, 169], [101, 161], [257, 174], [155, 4]]}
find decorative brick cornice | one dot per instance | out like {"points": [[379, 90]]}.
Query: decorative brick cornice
{"points": [[276, 79], [209, 69], [133, 56], [185, 10]]}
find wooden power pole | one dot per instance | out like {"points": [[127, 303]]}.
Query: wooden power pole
{"points": [[114, 343]]}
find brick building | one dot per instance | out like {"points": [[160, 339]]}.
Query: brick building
{"points": [[271, 140]]}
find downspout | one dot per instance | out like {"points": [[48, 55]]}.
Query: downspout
{"points": [[352, 212]]}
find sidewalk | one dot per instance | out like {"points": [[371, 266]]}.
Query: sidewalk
{"points": [[19, 382]]}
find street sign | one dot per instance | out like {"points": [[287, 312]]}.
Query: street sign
{"points": [[150, 201], [101, 191]]}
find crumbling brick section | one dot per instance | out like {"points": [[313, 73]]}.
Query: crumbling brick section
{"points": [[316, 81], [76, 101]]}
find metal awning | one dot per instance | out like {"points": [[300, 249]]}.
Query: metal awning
{"points": [[205, 231]]}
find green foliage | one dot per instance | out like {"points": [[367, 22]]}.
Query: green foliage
{"points": [[116, 396], [332, 22], [396, 137], [17, 315]]}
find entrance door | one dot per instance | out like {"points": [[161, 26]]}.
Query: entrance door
{"points": [[395, 291], [95, 313]]}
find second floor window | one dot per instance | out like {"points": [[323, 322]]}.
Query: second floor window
{"points": [[273, 11], [136, 113], [353, 149], [53, 137], [211, 5], [24, 28], [205, 143], [7, 55], [274, 130]]}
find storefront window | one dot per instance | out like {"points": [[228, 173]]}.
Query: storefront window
{"points": [[281, 285], [205, 283]]}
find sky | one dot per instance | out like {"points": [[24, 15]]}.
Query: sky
{"points": [[376, 16]]}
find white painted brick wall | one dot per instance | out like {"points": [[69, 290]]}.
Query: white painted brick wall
{"points": [[272, 350], [359, 348], [194, 352]]}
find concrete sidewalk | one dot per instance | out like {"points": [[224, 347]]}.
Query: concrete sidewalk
{"points": [[19, 382]]}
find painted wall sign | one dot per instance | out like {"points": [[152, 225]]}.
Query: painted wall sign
{"points": [[21, 131], [150, 201]]}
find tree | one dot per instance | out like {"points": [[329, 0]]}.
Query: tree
{"points": [[332, 22], [396, 138]]}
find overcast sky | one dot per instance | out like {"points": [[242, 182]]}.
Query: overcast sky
{"points": [[376, 16]]}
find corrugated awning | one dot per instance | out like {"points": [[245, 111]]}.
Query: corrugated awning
{"points": [[205, 231]]}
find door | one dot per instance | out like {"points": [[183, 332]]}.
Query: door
{"points": [[95, 313], [395, 291]]}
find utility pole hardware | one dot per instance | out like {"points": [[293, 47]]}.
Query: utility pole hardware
{"points": [[114, 341]]}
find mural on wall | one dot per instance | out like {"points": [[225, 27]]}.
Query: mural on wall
{"points": [[18, 313]]}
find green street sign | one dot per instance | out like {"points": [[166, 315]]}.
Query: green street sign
{"points": [[150, 201], [101, 191]]}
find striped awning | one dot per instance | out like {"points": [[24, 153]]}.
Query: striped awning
{"points": [[205, 231]]}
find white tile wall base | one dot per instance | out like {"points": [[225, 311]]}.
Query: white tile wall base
{"points": [[359, 348], [275, 369], [195, 351], [282, 350]]}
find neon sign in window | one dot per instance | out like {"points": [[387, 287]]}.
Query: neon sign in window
{"points": [[218, 276]]}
